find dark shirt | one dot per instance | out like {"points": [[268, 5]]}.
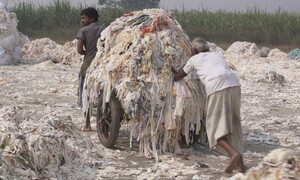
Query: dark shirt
{"points": [[89, 35]]}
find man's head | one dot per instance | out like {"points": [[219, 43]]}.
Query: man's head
{"points": [[88, 16], [199, 45]]}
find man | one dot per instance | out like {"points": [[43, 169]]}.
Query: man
{"points": [[87, 38], [223, 90]]}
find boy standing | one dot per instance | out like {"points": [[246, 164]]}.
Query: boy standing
{"points": [[87, 38]]}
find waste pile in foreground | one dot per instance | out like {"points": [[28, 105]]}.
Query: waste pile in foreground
{"points": [[38, 148], [278, 164]]}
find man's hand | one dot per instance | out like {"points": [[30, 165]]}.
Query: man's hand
{"points": [[173, 70], [178, 75]]}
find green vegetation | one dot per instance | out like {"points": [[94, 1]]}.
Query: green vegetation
{"points": [[61, 21], [253, 26]]}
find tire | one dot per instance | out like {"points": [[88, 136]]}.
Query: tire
{"points": [[109, 121], [194, 137]]}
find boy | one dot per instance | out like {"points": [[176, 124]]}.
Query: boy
{"points": [[87, 38]]}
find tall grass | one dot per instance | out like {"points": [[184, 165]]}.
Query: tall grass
{"points": [[60, 21], [254, 26]]}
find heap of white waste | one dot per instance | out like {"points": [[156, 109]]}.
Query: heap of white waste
{"points": [[134, 58], [38, 148], [11, 41], [280, 163], [45, 49]]}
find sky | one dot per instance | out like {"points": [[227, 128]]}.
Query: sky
{"points": [[210, 5]]}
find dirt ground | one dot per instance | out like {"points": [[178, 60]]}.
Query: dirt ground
{"points": [[270, 119]]}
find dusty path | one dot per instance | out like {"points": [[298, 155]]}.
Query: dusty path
{"points": [[270, 119]]}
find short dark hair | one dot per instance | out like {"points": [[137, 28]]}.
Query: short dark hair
{"points": [[90, 12]]}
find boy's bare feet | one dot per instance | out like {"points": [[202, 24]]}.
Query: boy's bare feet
{"points": [[87, 124], [233, 163]]}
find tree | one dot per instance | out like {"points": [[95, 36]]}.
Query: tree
{"points": [[130, 4]]}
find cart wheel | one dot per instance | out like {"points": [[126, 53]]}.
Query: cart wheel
{"points": [[109, 121], [192, 136], [195, 137]]}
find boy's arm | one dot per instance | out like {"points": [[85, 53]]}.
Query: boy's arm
{"points": [[80, 45]]}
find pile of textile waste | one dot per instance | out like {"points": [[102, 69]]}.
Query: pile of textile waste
{"points": [[38, 148], [280, 163], [11, 41], [294, 54], [134, 59], [45, 49]]}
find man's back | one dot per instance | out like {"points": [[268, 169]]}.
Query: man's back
{"points": [[212, 70]]}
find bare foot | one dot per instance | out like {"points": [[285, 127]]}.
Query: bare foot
{"points": [[232, 163], [240, 165], [86, 129]]}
